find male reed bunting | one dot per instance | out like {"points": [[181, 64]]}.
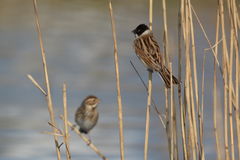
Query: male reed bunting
{"points": [[148, 51]]}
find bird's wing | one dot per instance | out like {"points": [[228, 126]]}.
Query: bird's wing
{"points": [[147, 49], [80, 113]]}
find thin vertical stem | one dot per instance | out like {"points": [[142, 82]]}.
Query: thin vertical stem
{"points": [[148, 116], [188, 82], [225, 86], [236, 46], [232, 37], [150, 14], [194, 78], [47, 83], [166, 61], [193, 119], [149, 91], [65, 120], [119, 98], [171, 114], [165, 32], [237, 97], [219, 154], [201, 111], [230, 97], [180, 14]]}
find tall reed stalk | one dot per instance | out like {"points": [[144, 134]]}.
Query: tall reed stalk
{"points": [[182, 108], [65, 120], [215, 99], [119, 98], [149, 99], [166, 62], [172, 157], [225, 84], [47, 83]]}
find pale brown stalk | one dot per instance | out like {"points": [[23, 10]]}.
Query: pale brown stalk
{"points": [[175, 129], [188, 89], [237, 98], [52, 134], [230, 93], [233, 13], [182, 117], [192, 119], [171, 115], [65, 120], [195, 81], [236, 46], [165, 32], [225, 86], [168, 123], [201, 131], [150, 14], [166, 62], [47, 83], [215, 99], [148, 115], [36, 84], [119, 98], [85, 139], [147, 126]]}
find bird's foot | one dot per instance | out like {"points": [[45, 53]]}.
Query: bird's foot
{"points": [[73, 127], [150, 70], [89, 142]]}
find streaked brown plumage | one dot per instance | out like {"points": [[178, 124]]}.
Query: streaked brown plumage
{"points": [[86, 115], [148, 51]]}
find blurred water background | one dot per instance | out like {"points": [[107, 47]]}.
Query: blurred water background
{"points": [[78, 42]]}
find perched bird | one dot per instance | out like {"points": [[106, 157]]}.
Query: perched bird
{"points": [[148, 51], [86, 115]]}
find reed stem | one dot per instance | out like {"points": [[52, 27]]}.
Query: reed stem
{"points": [[47, 83], [147, 126], [119, 98], [215, 99], [65, 120]]}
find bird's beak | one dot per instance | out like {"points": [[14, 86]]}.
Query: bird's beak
{"points": [[99, 101], [134, 31]]}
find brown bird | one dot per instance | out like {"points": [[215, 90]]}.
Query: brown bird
{"points": [[86, 115], [148, 51]]}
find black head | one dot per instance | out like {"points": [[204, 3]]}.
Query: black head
{"points": [[140, 29]]}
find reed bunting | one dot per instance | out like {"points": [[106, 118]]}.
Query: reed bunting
{"points": [[86, 115], [148, 51]]}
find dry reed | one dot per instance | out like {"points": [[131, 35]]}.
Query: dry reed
{"points": [[149, 99], [219, 154], [166, 62], [171, 115], [119, 98], [182, 109], [47, 83], [65, 120]]}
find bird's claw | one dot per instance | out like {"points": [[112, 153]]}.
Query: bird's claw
{"points": [[73, 127]]}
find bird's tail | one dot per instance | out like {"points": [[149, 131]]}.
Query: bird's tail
{"points": [[81, 130], [166, 76]]}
